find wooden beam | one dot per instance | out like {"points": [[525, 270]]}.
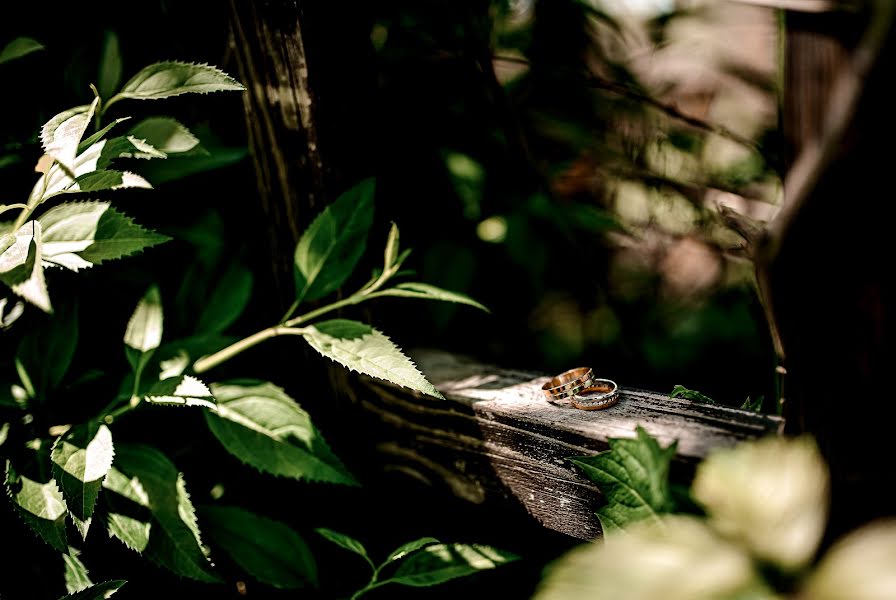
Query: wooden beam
{"points": [[496, 440]]}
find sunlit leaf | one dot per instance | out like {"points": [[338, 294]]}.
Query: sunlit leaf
{"points": [[107, 179], [21, 265], [128, 516], [406, 549], [424, 291], [19, 47], [40, 505], [172, 78], [343, 541], [362, 348], [144, 331], [263, 427], [76, 575], [438, 563], [100, 591], [81, 458], [174, 540], [182, 390], [331, 246], [166, 134], [61, 135], [633, 476], [268, 550]]}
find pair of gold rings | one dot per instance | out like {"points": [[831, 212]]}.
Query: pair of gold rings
{"points": [[585, 391]]}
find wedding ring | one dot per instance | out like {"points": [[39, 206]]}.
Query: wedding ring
{"points": [[568, 383], [602, 393]]}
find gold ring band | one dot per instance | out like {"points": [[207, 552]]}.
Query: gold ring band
{"points": [[568, 383], [603, 393]]}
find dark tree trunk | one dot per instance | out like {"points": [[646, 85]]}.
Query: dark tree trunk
{"points": [[831, 292]]}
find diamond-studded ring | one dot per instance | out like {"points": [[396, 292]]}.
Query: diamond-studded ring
{"points": [[602, 393]]}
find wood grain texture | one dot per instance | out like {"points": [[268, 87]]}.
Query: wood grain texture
{"points": [[496, 440]]}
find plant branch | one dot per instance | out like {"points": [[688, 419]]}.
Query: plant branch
{"points": [[209, 362], [6, 207]]}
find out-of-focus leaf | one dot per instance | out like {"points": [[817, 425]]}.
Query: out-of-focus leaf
{"points": [[19, 47]]}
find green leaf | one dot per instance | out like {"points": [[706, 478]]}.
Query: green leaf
{"points": [[110, 66], [76, 575], [40, 505], [166, 79], [424, 291], [263, 427], [100, 591], [633, 476], [127, 146], [410, 547], [19, 47], [21, 265], [144, 331], [228, 300], [679, 391], [166, 134], [61, 135], [92, 139], [390, 254], [183, 390], [344, 541], [174, 540], [79, 235], [46, 353], [331, 246], [362, 348], [128, 515], [107, 179], [267, 549], [754, 405], [81, 459], [171, 170], [439, 563]]}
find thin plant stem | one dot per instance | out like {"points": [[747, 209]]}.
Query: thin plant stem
{"points": [[209, 362]]}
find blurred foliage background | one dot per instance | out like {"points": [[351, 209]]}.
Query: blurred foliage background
{"points": [[581, 167]]}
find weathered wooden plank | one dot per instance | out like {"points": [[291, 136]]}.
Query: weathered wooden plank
{"points": [[496, 439]]}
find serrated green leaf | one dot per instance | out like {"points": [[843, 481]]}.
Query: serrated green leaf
{"points": [[95, 137], [107, 179], [81, 234], [61, 135], [100, 591], [265, 428], [110, 66], [172, 78], [406, 549], [80, 460], [182, 390], [126, 146], [266, 549], [174, 540], [40, 505], [441, 562], [19, 47], [343, 541], [633, 476], [166, 134], [46, 352], [21, 266], [331, 246], [424, 291], [754, 405], [76, 575], [228, 300], [144, 331], [679, 391], [128, 515], [362, 348]]}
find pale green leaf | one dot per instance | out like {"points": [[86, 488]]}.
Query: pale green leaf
{"points": [[107, 179], [95, 137], [410, 547], [390, 254], [166, 134], [182, 390], [343, 541], [144, 331], [47, 351], [424, 291], [442, 562], [80, 459], [858, 566], [82, 234], [633, 476], [21, 265], [364, 349], [227, 301], [100, 591], [174, 540], [61, 135], [10, 311], [331, 246], [128, 515], [76, 575], [19, 47], [110, 66], [265, 428], [266, 549], [4, 431], [40, 505], [166, 79]]}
